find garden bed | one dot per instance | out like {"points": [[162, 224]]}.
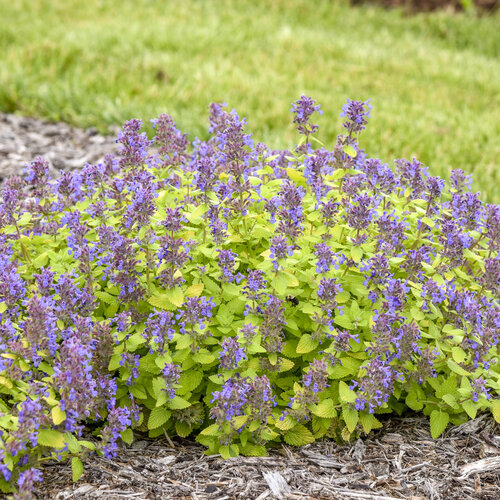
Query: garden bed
{"points": [[399, 461]]}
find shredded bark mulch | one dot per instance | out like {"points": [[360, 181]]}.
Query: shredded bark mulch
{"points": [[399, 461]]}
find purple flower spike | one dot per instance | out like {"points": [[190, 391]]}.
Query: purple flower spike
{"points": [[303, 109], [356, 114]]}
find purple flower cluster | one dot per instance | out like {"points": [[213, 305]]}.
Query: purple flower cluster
{"points": [[240, 396], [172, 143], [171, 374], [159, 331], [273, 322], [356, 114], [375, 388], [231, 354], [303, 109]]}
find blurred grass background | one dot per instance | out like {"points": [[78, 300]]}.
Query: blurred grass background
{"points": [[433, 79]]}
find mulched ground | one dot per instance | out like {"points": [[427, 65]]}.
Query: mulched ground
{"points": [[399, 461]]}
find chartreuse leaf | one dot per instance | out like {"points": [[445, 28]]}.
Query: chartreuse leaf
{"points": [[495, 410], [127, 436], [369, 422], [306, 344], [413, 402], [255, 451], [51, 438], [162, 302], [178, 403], [350, 417], [349, 150], [286, 424], [183, 429], [439, 421], [195, 290], [299, 436], [158, 417], [345, 394], [77, 468], [296, 176], [325, 409], [189, 381], [211, 430], [175, 296], [58, 416]]}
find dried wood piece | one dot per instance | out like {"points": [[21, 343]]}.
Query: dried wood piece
{"points": [[277, 484], [484, 465]]}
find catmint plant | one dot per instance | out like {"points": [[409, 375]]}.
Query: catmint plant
{"points": [[242, 295]]}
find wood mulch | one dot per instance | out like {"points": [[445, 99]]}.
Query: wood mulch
{"points": [[399, 461]]}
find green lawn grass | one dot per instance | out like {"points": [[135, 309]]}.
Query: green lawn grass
{"points": [[433, 79]]}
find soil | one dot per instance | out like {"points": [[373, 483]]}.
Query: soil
{"points": [[400, 461]]}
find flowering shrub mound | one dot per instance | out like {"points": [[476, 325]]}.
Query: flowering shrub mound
{"points": [[242, 295]]}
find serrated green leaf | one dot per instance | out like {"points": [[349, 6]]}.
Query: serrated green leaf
{"points": [[224, 315], [211, 430], [158, 417], [183, 429], [470, 408], [458, 354], [306, 344], [189, 381], [183, 341], [178, 403], [350, 417], [195, 290], [255, 451], [290, 279], [105, 297], [325, 409], [286, 364], [239, 421], [495, 410], [211, 285], [203, 357], [450, 400], [51, 438], [439, 421], [413, 402], [345, 394], [369, 422], [175, 296], [280, 284], [72, 443], [58, 416], [41, 260], [267, 434], [296, 176], [349, 150], [343, 321], [77, 468], [162, 302], [454, 367], [356, 253], [127, 436], [298, 436], [428, 221], [286, 424]]}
